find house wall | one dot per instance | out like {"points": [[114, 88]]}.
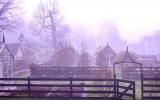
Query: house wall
{"points": [[6, 62], [19, 55], [1, 70]]}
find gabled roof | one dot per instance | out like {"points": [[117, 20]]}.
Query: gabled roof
{"points": [[4, 46], [13, 48], [27, 51], [126, 56]]}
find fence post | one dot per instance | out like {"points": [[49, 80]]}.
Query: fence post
{"points": [[29, 87], [134, 91], [115, 86], [71, 95], [142, 86], [122, 73]]}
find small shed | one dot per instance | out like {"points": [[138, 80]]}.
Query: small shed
{"points": [[126, 66]]}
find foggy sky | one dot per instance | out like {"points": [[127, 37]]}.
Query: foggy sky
{"points": [[134, 18]]}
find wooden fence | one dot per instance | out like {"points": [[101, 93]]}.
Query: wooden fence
{"points": [[150, 87], [128, 73], [75, 72], [67, 88], [134, 73]]}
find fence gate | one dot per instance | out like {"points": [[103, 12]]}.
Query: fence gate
{"points": [[125, 90]]}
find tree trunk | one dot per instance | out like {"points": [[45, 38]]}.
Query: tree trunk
{"points": [[54, 37]]}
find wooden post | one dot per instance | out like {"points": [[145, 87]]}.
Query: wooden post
{"points": [[142, 86], [134, 91], [122, 73], [115, 86], [29, 87], [71, 95]]}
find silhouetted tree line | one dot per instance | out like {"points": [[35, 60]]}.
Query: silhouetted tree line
{"points": [[66, 56]]}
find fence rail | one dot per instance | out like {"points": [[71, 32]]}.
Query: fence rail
{"points": [[75, 72], [150, 88], [67, 88], [134, 73]]}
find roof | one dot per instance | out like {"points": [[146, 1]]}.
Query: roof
{"points": [[13, 48], [27, 51], [126, 56], [2, 47]]}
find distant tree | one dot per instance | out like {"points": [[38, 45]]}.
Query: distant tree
{"points": [[104, 55], [84, 57], [9, 9], [65, 55], [50, 20], [101, 58]]}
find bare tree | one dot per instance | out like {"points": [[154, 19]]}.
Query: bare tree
{"points": [[84, 57], [104, 55], [8, 12], [65, 55], [50, 20]]}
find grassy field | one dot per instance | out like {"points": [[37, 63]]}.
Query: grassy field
{"points": [[21, 99]]}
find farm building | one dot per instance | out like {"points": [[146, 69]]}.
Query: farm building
{"points": [[6, 60], [14, 57], [28, 52], [22, 55]]}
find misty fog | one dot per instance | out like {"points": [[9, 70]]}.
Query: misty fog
{"points": [[80, 49]]}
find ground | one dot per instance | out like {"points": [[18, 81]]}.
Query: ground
{"points": [[22, 99]]}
